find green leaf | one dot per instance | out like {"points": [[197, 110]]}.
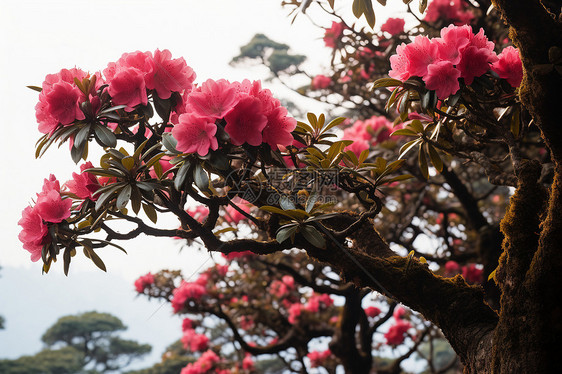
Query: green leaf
{"points": [[404, 132], [369, 13], [82, 136], [136, 199], [285, 203], [312, 119], [128, 162], [35, 88], [387, 82], [89, 252], [398, 178], [123, 197], [313, 236], [286, 232], [201, 178], [311, 201], [417, 126], [170, 143], [273, 209], [333, 123], [434, 157], [514, 123], [422, 161], [150, 212], [105, 136], [423, 6], [179, 180], [138, 151], [408, 146], [363, 156], [305, 127]]}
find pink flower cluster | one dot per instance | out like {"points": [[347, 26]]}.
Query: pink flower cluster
{"points": [[234, 216], [84, 185], [315, 304], [509, 66], [59, 100], [252, 116], [472, 273], [440, 62], [193, 341], [144, 282], [366, 133], [203, 365], [185, 292], [281, 288], [393, 26], [317, 358], [451, 10], [200, 212], [320, 82], [397, 331], [133, 74], [49, 208], [333, 34]]}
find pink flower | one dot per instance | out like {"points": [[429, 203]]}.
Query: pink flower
{"points": [[193, 341], [294, 312], [396, 333], [187, 324], [289, 281], [169, 75], [165, 164], [453, 11], [234, 216], [195, 134], [185, 292], [127, 87], [320, 82], [245, 123], [452, 267], [247, 362], [279, 127], [317, 358], [453, 41], [50, 205], [393, 26], [472, 273], [372, 311], [63, 101], [200, 212], [474, 63], [141, 61], [509, 66], [34, 233], [143, 282], [238, 255], [358, 146], [332, 35], [442, 77], [399, 313], [213, 99], [203, 364], [84, 185]]}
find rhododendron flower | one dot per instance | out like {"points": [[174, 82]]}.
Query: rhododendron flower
{"points": [[127, 87], [442, 77], [279, 127], [84, 185], [207, 360], [317, 358], [472, 274], [454, 11], [234, 255], [34, 233], [186, 291], [421, 53], [245, 123], [396, 333], [169, 75], [474, 63], [195, 134], [247, 362], [399, 313], [213, 99], [193, 341], [144, 282], [393, 26], [294, 312], [452, 267], [453, 41], [233, 215], [186, 324], [358, 146], [509, 66], [332, 34], [141, 61], [52, 208], [63, 101], [320, 82], [372, 311]]}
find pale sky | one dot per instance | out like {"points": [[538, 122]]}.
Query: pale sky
{"points": [[40, 37]]}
